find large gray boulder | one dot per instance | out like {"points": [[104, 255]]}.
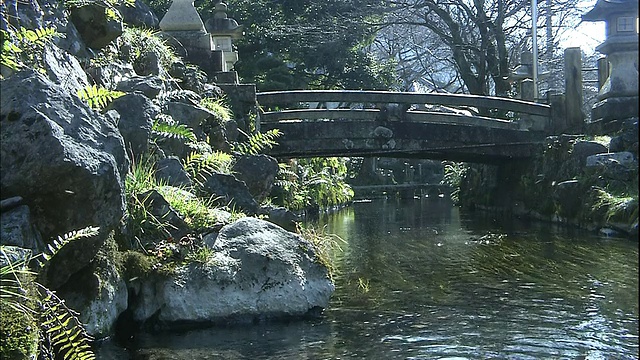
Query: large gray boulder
{"points": [[171, 172], [136, 119], [227, 190], [159, 207], [258, 270], [16, 229], [258, 172], [96, 27], [67, 162], [64, 69], [150, 85], [139, 15], [111, 75]]}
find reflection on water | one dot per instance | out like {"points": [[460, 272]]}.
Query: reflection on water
{"points": [[417, 280]]}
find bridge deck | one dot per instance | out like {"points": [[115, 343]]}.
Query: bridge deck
{"points": [[385, 97], [376, 123]]}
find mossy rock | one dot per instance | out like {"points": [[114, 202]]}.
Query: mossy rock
{"points": [[19, 334]]}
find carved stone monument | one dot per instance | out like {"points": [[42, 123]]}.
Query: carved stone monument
{"points": [[210, 48], [618, 96]]}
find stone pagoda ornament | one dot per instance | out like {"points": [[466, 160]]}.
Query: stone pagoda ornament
{"points": [[209, 47], [618, 96]]}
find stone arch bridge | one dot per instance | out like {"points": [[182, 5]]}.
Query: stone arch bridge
{"points": [[470, 128]]}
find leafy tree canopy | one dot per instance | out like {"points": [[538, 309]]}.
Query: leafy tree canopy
{"points": [[303, 44]]}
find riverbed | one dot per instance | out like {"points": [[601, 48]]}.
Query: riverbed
{"points": [[419, 279]]}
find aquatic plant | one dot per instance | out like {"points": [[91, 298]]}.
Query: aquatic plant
{"points": [[621, 208], [325, 244]]}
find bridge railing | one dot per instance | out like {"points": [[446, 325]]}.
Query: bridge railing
{"points": [[314, 105]]}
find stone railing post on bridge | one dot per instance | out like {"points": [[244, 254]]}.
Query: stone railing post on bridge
{"points": [[573, 90], [558, 112]]}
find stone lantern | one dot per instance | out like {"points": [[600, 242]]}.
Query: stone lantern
{"points": [[207, 45], [223, 31], [618, 96]]}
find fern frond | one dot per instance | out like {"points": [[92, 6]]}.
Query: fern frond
{"points": [[219, 107], [61, 241], [202, 166], [166, 127], [24, 47], [257, 143], [63, 330], [37, 36], [200, 147], [98, 97]]}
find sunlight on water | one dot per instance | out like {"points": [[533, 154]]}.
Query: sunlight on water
{"points": [[419, 280]]}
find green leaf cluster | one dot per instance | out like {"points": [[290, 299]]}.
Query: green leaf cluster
{"points": [[313, 182], [98, 97], [201, 165], [257, 143], [23, 48], [165, 127], [453, 175], [300, 44]]}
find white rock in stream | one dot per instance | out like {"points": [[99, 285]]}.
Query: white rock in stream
{"points": [[259, 270]]}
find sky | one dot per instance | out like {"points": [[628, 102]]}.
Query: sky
{"points": [[587, 35]]}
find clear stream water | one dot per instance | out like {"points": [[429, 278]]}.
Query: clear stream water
{"points": [[418, 279]]}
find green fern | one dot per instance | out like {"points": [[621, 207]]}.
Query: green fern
{"points": [[165, 127], [219, 107], [38, 36], [23, 48], [61, 332], [98, 97], [257, 143], [201, 166], [61, 241], [139, 42]]}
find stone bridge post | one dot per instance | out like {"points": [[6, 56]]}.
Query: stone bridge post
{"points": [[573, 90]]}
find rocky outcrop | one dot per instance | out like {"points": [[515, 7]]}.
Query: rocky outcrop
{"points": [[171, 172], [64, 69], [17, 229], [98, 292], [230, 191], [160, 208], [139, 15], [258, 270], [136, 119], [570, 181], [64, 166], [67, 162], [258, 172], [97, 29]]}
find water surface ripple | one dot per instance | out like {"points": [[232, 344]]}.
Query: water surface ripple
{"points": [[418, 280]]}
